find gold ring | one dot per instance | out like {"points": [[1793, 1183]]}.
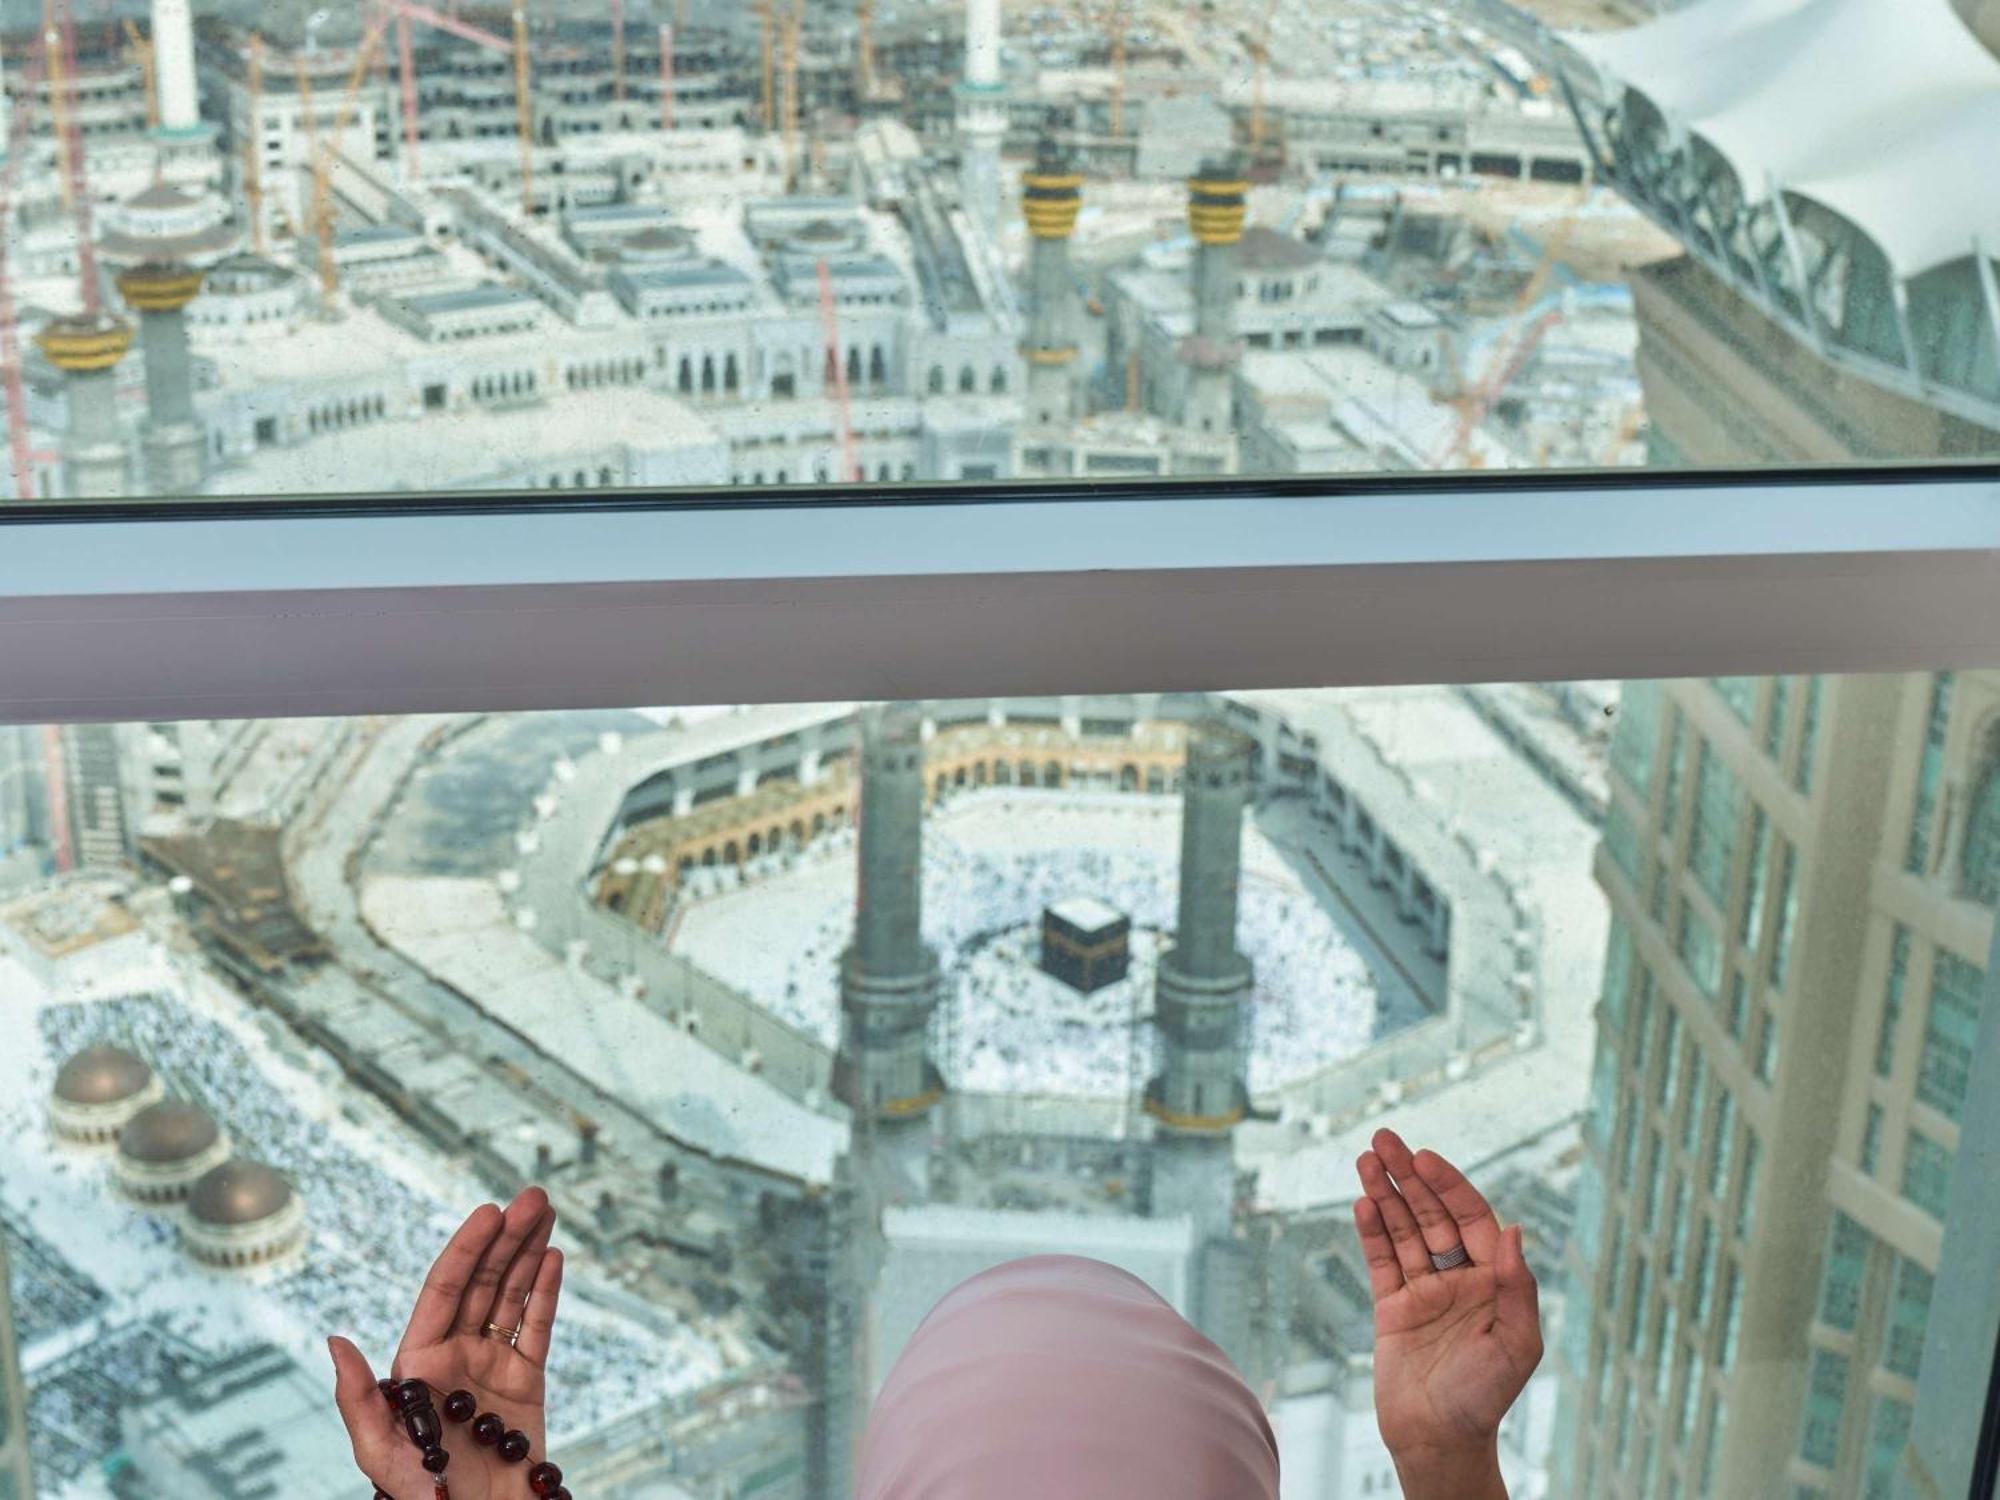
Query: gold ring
{"points": [[495, 1331]]}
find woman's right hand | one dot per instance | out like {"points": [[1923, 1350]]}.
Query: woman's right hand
{"points": [[1453, 1348], [497, 1269]]}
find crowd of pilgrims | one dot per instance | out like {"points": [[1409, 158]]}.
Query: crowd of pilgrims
{"points": [[1016, 1030], [370, 1238]]}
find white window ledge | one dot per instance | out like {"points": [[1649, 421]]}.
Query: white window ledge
{"points": [[224, 611]]}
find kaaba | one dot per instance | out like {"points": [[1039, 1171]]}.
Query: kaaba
{"points": [[1085, 943]]}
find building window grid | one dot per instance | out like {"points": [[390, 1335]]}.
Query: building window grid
{"points": [[1712, 830], [1788, 915], [1871, 1140], [1635, 739], [1930, 770], [1927, 1174], [1826, 1402], [1808, 736], [1892, 1001], [1776, 713], [1909, 1314], [1756, 877], [1670, 793], [1846, 1269], [1951, 1031]]}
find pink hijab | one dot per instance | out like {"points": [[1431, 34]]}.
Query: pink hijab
{"points": [[1062, 1378]]}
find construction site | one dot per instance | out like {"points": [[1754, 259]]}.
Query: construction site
{"points": [[275, 251]]}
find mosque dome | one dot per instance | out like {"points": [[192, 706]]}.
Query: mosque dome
{"points": [[243, 1213], [98, 1090], [239, 1192], [102, 1074], [165, 1148]]}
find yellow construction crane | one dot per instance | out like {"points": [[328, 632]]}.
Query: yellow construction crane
{"points": [[765, 44], [791, 94], [1260, 52], [253, 154], [321, 153], [1116, 22], [524, 109], [142, 51], [864, 45]]}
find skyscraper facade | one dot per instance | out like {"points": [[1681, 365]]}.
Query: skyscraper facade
{"points": [[15, 1483], [1801, 873]]}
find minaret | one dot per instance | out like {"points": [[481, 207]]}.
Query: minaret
{"points": [[173, 67], [1203, 989], [1051, 194], [86, 348], [172, 443], [1217, 206], [888, 977], [14, 1477], [982, 118]]}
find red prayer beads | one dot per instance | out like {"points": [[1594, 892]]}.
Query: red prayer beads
{"points": [[411, 1401]]}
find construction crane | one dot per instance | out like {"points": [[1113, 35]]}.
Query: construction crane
{"points": [[1474, 406], [524, 104], [142, 50], [1260, 53], [10, 328], [1118, 21], [253, 156], [765, 43], [864, 46], [1635, 418], [406, 77], [666, 76], [836, 371], [321, 153], [790, 121], [618, 50], [59, 66]]}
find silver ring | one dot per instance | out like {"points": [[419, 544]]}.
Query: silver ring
{"points": [[1451, 1260]]}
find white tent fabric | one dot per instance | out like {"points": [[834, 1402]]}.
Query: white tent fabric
{"points": [[1884, 110]]}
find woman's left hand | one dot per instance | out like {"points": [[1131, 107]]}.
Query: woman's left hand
{"points": [[496, 1271]]}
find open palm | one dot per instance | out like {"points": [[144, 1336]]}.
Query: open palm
{"points": [[1453, 1348], [497, 1270]]}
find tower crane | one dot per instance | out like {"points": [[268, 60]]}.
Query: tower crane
{"points": [[10, 329], [765, 42], [790, 121], [142, 49], [321, 152], [1260, 53], [253, 156], [524, 104], [1117, 21], [59, 64], [836, 370], [618, 51], [1477, 402], [666, 76]]}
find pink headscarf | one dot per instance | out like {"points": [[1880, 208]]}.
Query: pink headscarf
{"points": [[1062, 1378]]}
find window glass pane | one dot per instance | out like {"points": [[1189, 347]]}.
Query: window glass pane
{"points": [[1712, 841], [1930, 768], [409, 963], [1952, 1027], [1777, 717], [1635, 736], [1892, 1003]]}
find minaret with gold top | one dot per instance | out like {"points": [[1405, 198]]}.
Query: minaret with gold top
{"points": [[86, 348], [1217, 206], [159, 294], [1051, 195]]}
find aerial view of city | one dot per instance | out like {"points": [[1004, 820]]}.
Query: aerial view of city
{"points": [[803, 1012]]}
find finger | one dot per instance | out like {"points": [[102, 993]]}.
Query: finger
{"points": [[540, 1319], [362, 1409], [515, 1225], [1401, 1224], [1477, 1223], [1517, 1301], [437, 1303], [1434, 1220], [1385, 1277], [513, 1294]]}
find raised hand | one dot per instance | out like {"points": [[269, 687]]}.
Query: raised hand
{"points": [[1453, 1348], [497, 1272]]}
